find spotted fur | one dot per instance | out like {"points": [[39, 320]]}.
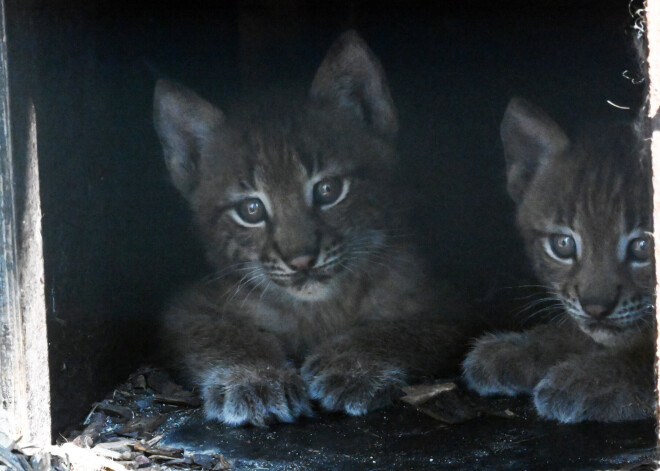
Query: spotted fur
{"points": [[316, 295], [583, 209]]}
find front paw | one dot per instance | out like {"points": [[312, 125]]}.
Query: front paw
{"points": [[351, 383], [573, 392], [500, 364], [239, 396]]}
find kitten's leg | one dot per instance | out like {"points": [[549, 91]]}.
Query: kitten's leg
{"points": [[511, 363], [608, 386], [364, 369], [242, 372]]}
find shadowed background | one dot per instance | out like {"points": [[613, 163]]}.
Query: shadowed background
{"points": [[117, 236]]}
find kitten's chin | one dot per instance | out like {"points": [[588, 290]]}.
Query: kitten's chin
{"points": [[609, 336], [602, 336], [310, 290]]}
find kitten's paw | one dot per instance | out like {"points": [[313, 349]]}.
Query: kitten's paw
{"points": [[255, 396], [351, 383], [573, 392], [500, 364]]}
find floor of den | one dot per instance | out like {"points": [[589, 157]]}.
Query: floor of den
{"points": [[150, 422]]}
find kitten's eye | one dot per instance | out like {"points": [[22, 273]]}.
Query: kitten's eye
{"points": [[639, 249], [563, 245], [328, 190], [251, 210]]}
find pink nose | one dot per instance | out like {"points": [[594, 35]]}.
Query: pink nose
{"points": [[302, 262], [597, 311]]}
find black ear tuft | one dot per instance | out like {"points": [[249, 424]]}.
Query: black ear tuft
{"points": [[184, 123], [351, 79], [530, 137]]}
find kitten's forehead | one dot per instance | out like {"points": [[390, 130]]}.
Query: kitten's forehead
{"points": [[279, 159], [285, 157], [291, 159], [596, 191]]}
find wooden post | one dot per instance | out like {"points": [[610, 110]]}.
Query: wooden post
{"points": [[653, 35], [24, 372]]}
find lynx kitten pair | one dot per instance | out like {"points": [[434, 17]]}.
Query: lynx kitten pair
{"points": [[317, 297]]}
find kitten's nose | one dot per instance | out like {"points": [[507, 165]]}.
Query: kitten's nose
{"points": [[302, 262], [597, 311], [599, 306]]}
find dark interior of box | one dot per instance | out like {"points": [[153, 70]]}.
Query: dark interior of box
{"points": [[117, 236]]}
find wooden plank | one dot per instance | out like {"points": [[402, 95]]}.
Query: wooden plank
{"points": [[24, 373], [36, 428], [11, 362], [653, 35]]}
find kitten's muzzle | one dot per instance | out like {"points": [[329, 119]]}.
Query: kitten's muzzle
{"points": [[597, 311], [303, 278], [302, 262], [600, 307]]}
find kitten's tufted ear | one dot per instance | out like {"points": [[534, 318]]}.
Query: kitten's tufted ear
{"points": [[351, 80], [530, 138], [185, 123]]}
